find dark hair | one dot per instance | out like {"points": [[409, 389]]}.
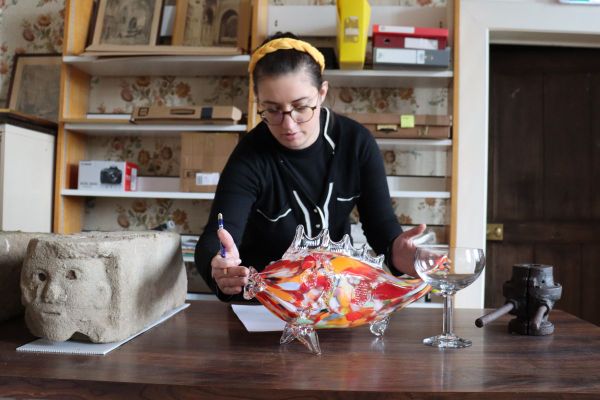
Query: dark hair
{"points": [[282, 62]]}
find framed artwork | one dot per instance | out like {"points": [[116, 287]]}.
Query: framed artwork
{"points": [[35, 85], [121, 24], [205, 23]]}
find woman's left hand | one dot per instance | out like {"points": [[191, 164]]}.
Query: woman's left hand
{"points": [[403, 250]]}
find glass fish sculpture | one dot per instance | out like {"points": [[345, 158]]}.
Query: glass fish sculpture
{"points": [[324, 284]]}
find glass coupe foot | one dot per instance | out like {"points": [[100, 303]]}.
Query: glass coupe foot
{"points": [[447, 341]]}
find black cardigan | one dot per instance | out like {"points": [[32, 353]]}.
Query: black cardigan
{"points": [[262, 204]]}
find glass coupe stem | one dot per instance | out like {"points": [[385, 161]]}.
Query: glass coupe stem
{"points": [[448, 314]]}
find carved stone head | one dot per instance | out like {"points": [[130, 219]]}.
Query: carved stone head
{"points": [[13, 248], [106, 286]]}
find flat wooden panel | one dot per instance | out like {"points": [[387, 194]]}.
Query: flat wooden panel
{"points": [[453, 109], [552, 232], [205, 352], [75, 93], [68, 212], [590, 293], [73, 209], [595, 145], [544, 125], [78, 15], [499, 263], [517, 148], [567, 162], [260, 9], [567, 263]]}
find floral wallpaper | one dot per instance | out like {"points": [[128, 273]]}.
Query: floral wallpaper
{"points": [[36, 26], [415, 162], [27, 26], [103, 213], [155, 156], [120, 95]]}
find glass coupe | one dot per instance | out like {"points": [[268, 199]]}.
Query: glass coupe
{"points": [[447, 270]]}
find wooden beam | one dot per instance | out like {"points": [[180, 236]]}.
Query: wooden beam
{"points": [[455, 125], [260, 13], [78, 15], [68, 211]]}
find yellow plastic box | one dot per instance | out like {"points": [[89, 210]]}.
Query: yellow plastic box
{"points": [[352, 31]]}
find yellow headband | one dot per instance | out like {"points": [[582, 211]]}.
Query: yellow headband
{"points": [[286, 44]]}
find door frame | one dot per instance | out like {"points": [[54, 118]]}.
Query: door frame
{"points": [[481, 23]]}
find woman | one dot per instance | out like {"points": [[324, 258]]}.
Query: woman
{"points": [[302, 164]]}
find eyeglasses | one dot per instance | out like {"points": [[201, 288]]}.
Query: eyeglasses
{"points": [[298, 114]]}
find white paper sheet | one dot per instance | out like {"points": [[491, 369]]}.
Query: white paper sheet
{"points": [[86, 348], [257, 318]]}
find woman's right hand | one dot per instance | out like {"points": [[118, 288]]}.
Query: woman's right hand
{"points": [[231, 277]]}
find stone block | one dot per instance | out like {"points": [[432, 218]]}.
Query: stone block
{"points": [[104, 285], [13, 248]]}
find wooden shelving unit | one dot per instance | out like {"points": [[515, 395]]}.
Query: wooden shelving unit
{"points": [[74, 129]]}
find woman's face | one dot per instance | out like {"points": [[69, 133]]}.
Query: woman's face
{"points": [[284, 93]]}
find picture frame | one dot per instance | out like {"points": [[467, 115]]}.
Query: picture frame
{"points": [[212, 23], [34, 87], [123, 25]]}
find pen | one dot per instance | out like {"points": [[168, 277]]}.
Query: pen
{"points": [[220, 222]]}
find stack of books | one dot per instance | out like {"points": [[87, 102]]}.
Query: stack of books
{"points": [[188, 246], [395, 46]]}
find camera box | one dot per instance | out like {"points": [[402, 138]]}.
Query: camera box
{"points": [[203, 157], [107, 175]]}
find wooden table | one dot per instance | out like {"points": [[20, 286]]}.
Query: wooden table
{"points": [[205, 352]]}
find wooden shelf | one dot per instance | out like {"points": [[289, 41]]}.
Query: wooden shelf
{"points": [[417, 194], [109, 128], [138, 195], [161, 65], [419, 186], [406, 194], [414, 143], [389, 78]]}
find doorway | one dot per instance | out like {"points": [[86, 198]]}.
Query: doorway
{"points": [[544, 170]]}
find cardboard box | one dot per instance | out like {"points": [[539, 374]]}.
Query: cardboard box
{"points": [[203, 156], [352, 31], [157, 184], [188, 114], [107, 175], [403, 37], [393, 57], [390, 125]]}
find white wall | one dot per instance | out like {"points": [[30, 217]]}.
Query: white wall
{"points": [[507, 21]]}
